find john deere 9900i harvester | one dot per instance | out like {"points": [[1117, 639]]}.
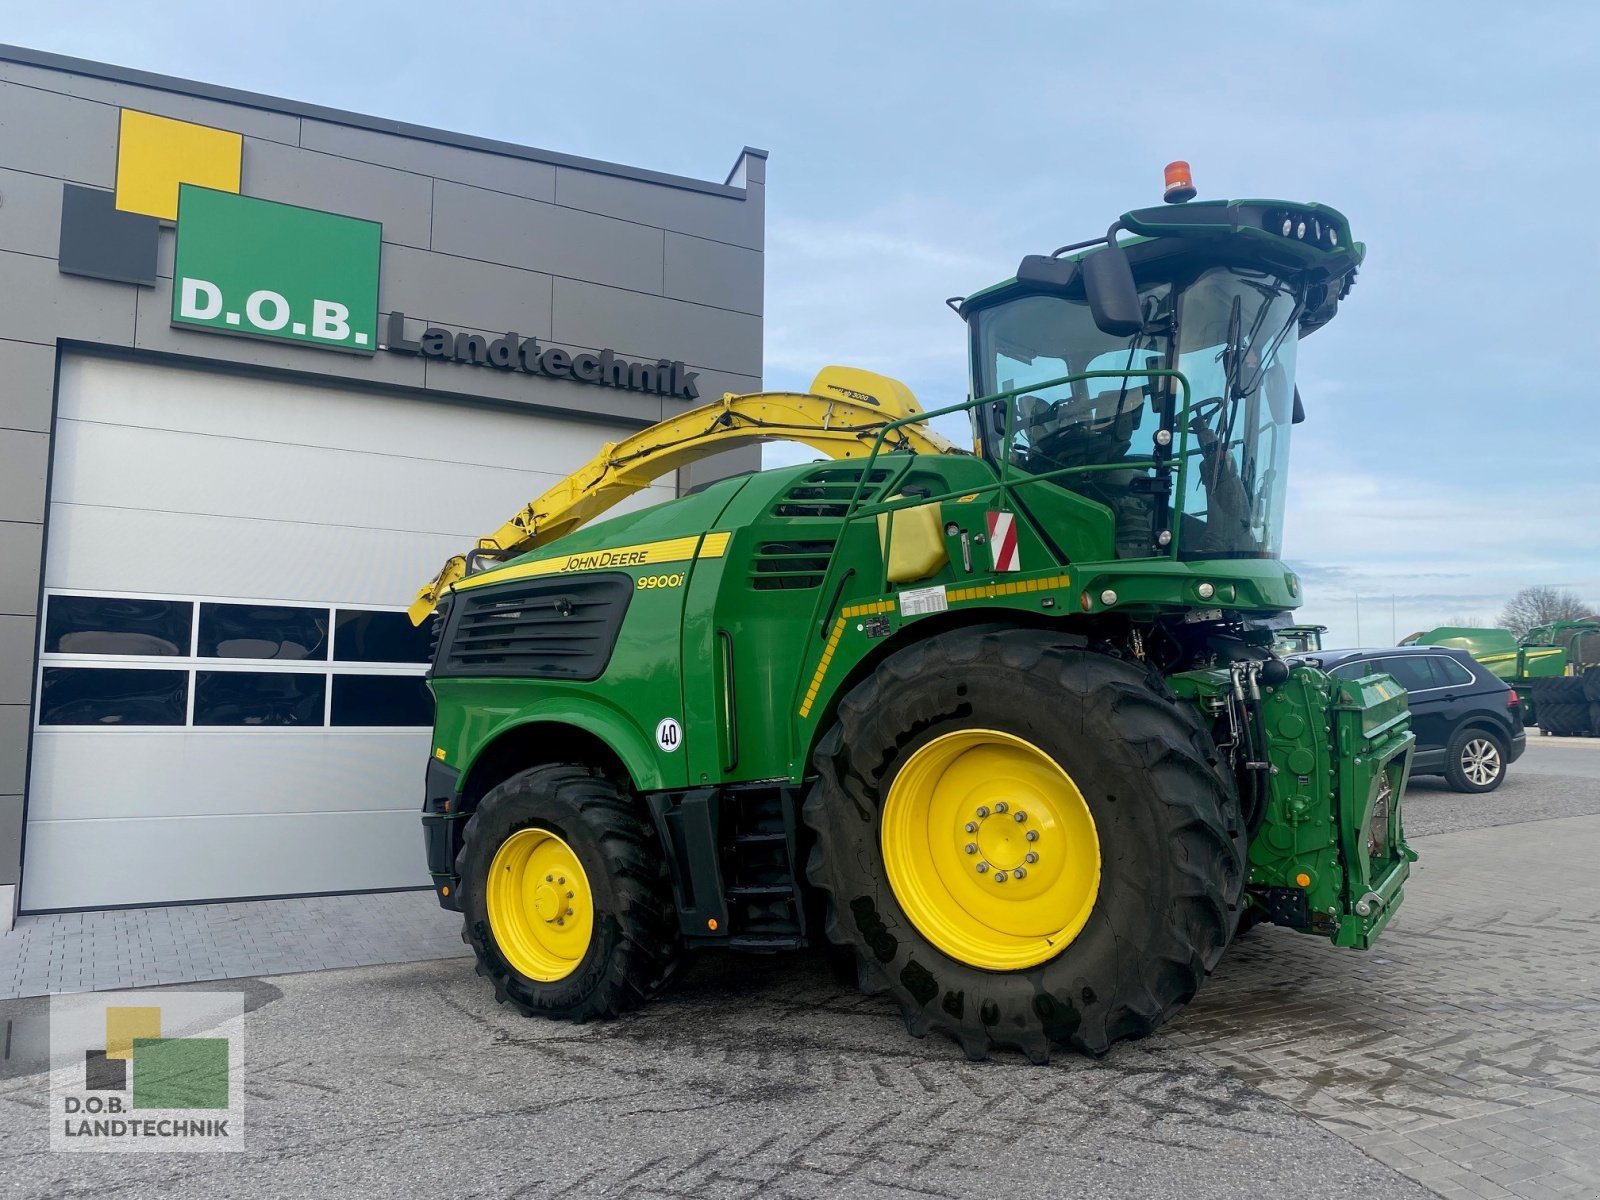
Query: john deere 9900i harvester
{"points": [[1005, 723]]}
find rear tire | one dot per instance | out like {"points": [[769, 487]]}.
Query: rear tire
{"points": [[633, 945], [1167, 820], [1564, 720], [1591, 684], [1475, 760]]}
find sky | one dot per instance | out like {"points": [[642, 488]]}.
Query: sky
{"points": [[919, 150]]}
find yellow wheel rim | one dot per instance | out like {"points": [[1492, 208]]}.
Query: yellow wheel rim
{"points": [[990, 849], [541, 910]]}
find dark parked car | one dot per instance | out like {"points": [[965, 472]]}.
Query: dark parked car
{"points": [[1468, 722]]}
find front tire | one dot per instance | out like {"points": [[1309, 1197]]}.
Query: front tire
{"points": [[565, 896], [1105, 764], [1475, 760]]}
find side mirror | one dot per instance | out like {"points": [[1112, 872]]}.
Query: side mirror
{"points": [[1299, 409], [1113, 296]]}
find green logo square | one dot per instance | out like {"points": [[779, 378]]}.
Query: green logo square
{"points": [[268, 270], [180, 1073]]}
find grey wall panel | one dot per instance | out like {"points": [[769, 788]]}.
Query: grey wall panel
{"points": [[46, 133], [17, 646], [27, 383], [256, 122], [498, 172], [13, 748], [400, 200], [475, 223], [651, 326], [463, 291], [30, 213], [74, 864], [166, 252], [20, 547], [24, 459], [277, 771], [10, 835], [156, 332], [558, 394], [39, 304], [728, 220], [713, 273]]}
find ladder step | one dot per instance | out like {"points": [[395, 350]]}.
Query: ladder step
{"points": [[766, 941], [748, 890], [759, 839]]}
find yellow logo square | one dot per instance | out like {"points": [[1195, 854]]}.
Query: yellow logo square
{"points": [[156, 154], [124, 1023]]}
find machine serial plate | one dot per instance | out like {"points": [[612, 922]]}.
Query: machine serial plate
{"points": [[919, 602]]}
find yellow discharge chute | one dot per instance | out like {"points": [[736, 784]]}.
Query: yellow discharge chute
{"points": [[841, 416]]}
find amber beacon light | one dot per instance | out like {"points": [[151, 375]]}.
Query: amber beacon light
{"points": [[1180, 183]]}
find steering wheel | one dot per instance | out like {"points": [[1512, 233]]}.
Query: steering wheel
{"points": [[1205, 413]]}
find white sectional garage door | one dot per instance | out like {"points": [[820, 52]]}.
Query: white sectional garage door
{"points": [[230, 699]]}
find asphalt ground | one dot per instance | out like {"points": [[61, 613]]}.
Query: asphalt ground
{"points": [[1459, 1058]]}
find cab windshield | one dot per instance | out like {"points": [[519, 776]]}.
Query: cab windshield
{"points": [[1236, 337]]}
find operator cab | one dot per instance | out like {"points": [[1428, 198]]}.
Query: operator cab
{"points": [[1155, 377]]}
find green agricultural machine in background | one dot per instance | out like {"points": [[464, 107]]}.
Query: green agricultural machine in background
{"points": [[1005, 723], [1555, 669]]}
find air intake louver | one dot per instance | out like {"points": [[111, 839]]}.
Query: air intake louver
{"points": [[781, 566], [827, 492], [537, 629]]}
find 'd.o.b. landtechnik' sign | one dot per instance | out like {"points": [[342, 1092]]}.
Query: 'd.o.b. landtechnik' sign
{"points": [[262, 269]]}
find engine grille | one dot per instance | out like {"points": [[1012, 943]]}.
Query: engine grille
{"points": [[560, 628], [782, 566], [826, 492]]}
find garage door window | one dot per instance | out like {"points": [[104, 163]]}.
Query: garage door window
{"points": [[263, 631], [378, 637], [389, 700], [111, 696], [115, 625], [162, 662], [258, 698]]}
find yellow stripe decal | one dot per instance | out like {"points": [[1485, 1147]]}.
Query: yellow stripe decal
{"points": [[985, 592], [672, 550]]}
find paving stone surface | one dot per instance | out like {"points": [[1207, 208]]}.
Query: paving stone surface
{"points": [[1460, 1058], [140, 947]]}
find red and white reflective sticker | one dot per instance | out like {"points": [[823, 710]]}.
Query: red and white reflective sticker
{"points": [[1003, 541]]}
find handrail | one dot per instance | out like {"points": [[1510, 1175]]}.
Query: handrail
{"points": [[1007, 483]]}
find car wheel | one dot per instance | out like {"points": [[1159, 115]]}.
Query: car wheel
{"points": [[1475, 761]]}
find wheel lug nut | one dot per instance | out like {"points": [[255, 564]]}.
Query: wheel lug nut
{"points": [[1019, 816], [1019, 873], [983, 868], [983, 810], [561, 920], [569, 911], [1033, 835], [972, 827], [999, 876], [569, 895], [1001, 807], [563, 879], [1031, 857], [972, 847], [549, 878]]}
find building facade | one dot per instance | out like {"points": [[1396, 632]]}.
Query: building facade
{"points": [[264, 366]]}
